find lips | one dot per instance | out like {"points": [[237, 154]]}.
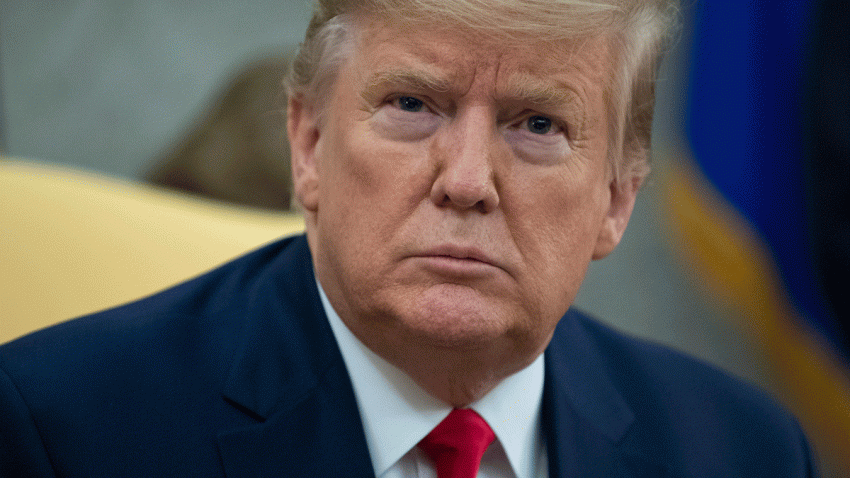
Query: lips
{"points": [[457, 260]]}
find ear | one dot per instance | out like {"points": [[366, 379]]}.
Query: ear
{"points": [[614, 223], [303, 130]]}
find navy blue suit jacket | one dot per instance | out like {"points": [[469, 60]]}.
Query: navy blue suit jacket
{"points": [[237, 374]]}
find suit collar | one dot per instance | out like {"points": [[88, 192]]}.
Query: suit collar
{"points": [[585, 418], [289, 376], [287, 344], [575, 376]]}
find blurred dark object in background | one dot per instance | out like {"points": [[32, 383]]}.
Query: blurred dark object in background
{"points": [[238, 152], [827, 124]]}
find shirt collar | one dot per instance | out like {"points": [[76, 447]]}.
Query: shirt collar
{"points": [[397, 413]]}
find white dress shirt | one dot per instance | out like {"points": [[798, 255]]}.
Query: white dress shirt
{"points": [[397, 413]]}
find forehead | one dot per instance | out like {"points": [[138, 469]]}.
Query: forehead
{"points": [[447, 59]]}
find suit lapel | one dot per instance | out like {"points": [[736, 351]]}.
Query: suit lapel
{"points": [[320, 436], [290, 379], [585, 418]]}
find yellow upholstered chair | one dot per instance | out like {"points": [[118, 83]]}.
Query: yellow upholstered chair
{"points": [[74, 242]]}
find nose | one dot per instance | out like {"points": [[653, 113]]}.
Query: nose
{"points": [[466, 174]]}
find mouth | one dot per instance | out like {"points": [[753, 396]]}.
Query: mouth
{"points": [[458, 261]]}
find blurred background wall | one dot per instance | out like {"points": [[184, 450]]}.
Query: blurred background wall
{"points": [[128, 87], [110, 85]]}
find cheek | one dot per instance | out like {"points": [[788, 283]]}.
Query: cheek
{"points": [[562, 204], [345, 170], [374, 181], [555, 226]]}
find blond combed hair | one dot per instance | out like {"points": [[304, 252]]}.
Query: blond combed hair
{"points": [[639, 33]]}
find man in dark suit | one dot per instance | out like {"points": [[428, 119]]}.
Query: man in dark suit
{"points": [[459, 165]]}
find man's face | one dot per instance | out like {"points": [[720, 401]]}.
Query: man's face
{"points": [[457, 190]]}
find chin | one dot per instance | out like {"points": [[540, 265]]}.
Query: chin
{"points": [[456, 317]]}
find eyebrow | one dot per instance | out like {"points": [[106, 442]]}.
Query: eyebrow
{"points": [[413, 78], [541, 91]]}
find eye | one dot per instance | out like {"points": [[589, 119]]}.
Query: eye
{"points": [[409, 103], [539, 124], [538, 139], [405, 118]]}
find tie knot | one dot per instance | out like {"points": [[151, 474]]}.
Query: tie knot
{"points": [[457, 444]]}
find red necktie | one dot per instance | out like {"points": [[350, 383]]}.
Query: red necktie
{"points": [[457, 444]]}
